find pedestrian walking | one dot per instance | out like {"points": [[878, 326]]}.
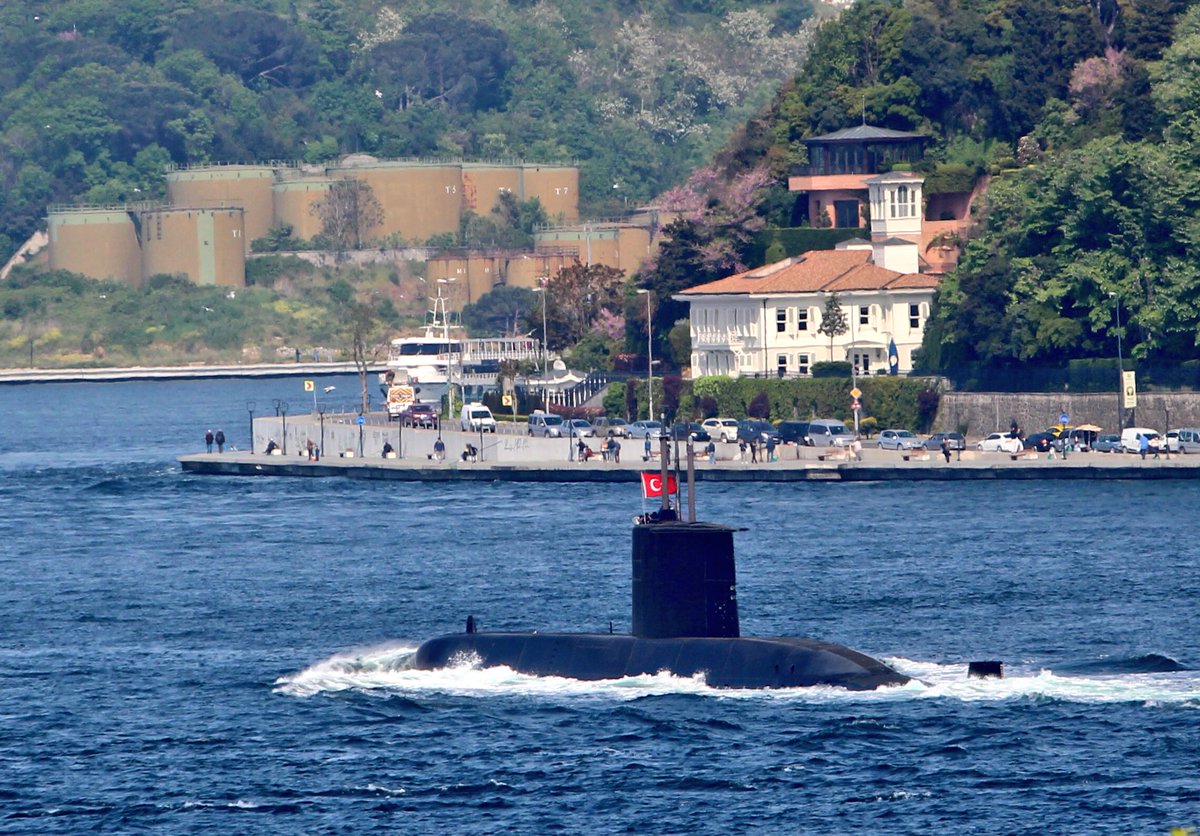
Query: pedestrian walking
{"points": [[208, 440], [220, 439], [439, 449], [946, 449], [646, 451], [856, 448], [754, 451], [741, 449], [771, 448], [616, 451], [1143, 446]]}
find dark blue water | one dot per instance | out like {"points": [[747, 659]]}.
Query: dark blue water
{"points": [[200, 654]]}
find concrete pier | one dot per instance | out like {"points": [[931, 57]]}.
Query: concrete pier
{"points": [[354, 451]]}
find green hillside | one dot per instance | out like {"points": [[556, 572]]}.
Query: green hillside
{"points": [[97, 96]]}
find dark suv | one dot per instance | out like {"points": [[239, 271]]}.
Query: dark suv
{"points": [[420, 415], [757, 432], [794, 432]]}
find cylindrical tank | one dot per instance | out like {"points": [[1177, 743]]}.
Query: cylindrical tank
{"points": [[684, 581], [293, 202], [556, 186], [201, 243], [97, 242], [526, 270], [419, 200], [247, 186], [483, 184]]}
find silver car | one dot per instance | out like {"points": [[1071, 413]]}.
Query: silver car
{"points": [[899, 440]]}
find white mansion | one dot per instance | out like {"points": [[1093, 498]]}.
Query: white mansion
{"points": [[765, 321]]}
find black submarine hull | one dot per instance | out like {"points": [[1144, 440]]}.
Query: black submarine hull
{"points": [[723, 662]]}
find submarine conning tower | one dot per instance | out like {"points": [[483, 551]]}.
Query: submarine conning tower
{"points": [[684, 581]]}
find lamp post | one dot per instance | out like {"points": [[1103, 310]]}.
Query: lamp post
{"points": [[649, 356], [449, 345], [250, 408], [543, 280], [1120, 370], [321, 412], [283, 408]]}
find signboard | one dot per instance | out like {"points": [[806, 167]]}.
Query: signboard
{"points": [[506, 400], [309, 386], [401, 395], [856, 405], [362, 420], [1064, 418], [1128, 390], [856, 393]]}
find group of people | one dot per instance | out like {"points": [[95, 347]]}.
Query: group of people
{"points": [[757, 449], [217, 438]]}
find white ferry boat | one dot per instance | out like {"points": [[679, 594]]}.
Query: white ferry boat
{"points": [[431, 363]]}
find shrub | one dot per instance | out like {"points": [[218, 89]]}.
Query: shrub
{"points": [[831, 368]]}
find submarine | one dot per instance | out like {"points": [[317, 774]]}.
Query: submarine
{"points": [[685, 622]]}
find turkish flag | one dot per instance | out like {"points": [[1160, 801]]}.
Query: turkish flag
{"points": [[652, 484]]}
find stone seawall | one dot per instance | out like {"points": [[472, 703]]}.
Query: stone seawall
{"points": [[980, 413]]}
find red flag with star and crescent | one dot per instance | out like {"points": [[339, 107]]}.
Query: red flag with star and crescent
{"points": [[652, 484]]}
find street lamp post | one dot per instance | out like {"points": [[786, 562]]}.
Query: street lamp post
{"points": [[649, 357], [543, 280], [321, 412], [1120, 370], [283, 408], [250, 408]]}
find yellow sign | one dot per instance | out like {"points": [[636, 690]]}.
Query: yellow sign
{"points": [[1129, 389], [401, 395], [309, 386], [856, 393], [506, 400]]}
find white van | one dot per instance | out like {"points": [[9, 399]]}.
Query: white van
{"points": [[545, 424], [1187, 440], [828, 432], [1129, 438], [477, 418]]}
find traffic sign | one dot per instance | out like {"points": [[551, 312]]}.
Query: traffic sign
{"points": [[856, 393], [506, 400], [1063, 418], [856, 405], [362, 420], [309, 386]]}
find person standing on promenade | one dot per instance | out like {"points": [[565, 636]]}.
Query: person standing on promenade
{"points": [[208, 440], [741, 450], [1143, 446], [856, 448], [946, 448], [711, 449], [770, 448], [646, 449], [615, 451], [754, 451], [220, 439], [439, 449]]}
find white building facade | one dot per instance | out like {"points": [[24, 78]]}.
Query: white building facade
{"points": [[766, 321]]}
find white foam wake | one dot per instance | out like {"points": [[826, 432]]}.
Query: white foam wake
{"points": [[387, 670]]}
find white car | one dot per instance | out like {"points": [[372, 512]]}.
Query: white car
{"points": [[724, 429], [1000, 443], [899, 440]]}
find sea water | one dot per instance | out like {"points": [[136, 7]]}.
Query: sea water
{"points": [[189, 654]]}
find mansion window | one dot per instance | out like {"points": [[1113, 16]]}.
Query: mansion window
{"points": [[802, 363], [862, 363], [914, 317], [781, 364], [903, 203], [780, 320], [864, 314], [802, 319]]}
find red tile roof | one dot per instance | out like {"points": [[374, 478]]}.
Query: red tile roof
{"points": [[814, 271]]}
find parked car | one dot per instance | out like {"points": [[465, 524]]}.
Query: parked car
{"points": [[545, 424], [794, 432], [1189, 440], [1042, 442], [1107, 444], [828, 432], [578, 428], [754, 431], [419, 415], [478, 418], [954, 441], [604, 426], [683, 430], [1130, 436], [724, 429], [899, 440], [1000, 443], [645, 429]]}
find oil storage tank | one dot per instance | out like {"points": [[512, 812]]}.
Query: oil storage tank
{"points": [[294, 198], [201, 243], [482, 185], [96, 241], [556, 186], [245, 186], [419, 200]]}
